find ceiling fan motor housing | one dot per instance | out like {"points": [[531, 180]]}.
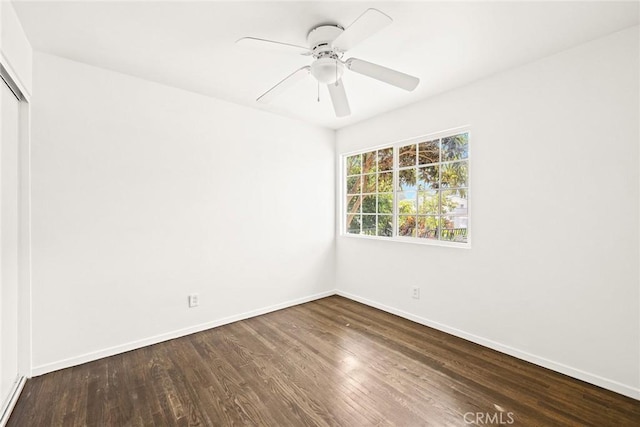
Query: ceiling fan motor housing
{"points": [[327, 68], [320, 38]]}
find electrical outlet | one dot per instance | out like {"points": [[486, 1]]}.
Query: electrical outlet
{"points": [[194, 300], [415, 292]]}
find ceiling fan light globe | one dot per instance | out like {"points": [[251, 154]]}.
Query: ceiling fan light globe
{"points": [[327, 70]]}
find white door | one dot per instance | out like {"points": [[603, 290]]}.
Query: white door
{"points": [[9, 125]]}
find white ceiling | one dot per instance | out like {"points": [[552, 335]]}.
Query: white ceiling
{"points": [[190, 45]]}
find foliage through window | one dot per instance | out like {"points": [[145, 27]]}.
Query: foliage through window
{"points": [[370, 193], [430, 201]]}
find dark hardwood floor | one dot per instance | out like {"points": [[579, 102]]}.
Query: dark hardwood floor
{"points": [[328, 362]]}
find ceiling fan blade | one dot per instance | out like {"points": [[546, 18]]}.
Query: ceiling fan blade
{"points": [[254, 42], [384, 74], [284, 84], [339, 99], [367, 24]]}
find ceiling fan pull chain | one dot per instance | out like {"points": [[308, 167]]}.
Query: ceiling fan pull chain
{"points": [[336, 72], [318, 91]]}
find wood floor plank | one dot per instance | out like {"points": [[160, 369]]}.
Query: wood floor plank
{"points": [[470, 384], [331, 362], [318, 375], [345, 358], [485, 364]]}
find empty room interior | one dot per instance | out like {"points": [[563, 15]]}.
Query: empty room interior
{"points": [[314, 213]]}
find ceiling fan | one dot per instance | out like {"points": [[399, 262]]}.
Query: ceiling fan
{"points": [[327, 45]]}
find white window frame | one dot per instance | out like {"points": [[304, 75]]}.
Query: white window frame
{"points": [[396, 145]]}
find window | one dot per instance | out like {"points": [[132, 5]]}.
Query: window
{"points": [[414, 190]]}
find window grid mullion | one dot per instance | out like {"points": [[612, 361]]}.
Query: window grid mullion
{"points": [[439, 217], [396, 186]]}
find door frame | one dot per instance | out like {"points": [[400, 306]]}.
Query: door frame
{"points": [[9, 77]]}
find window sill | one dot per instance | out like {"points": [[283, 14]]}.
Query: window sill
{"points": [[410, 240]]}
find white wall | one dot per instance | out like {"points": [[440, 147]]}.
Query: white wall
{"points": [[15, 49], [143, 194], [552, 276]]}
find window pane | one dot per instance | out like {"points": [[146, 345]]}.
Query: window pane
{"points": [[429, 152], [354, 184], [407, 202], [407, 179], [385, 159], [369, 162], [428, 227], [369, 204], [454, 174], [369, 183], [455, 147], [353, 204], [428, 178], [428, 202], [454, 202], [385, 182], [369, 225], [454, 228], [418, 190], [354, 164], [407, 226], [385, 225], [353, 224], [385, 203], [407, 156]]}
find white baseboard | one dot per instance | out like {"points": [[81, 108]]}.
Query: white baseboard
{"points": [[537, 360], [10, 403], [95, 355]]}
